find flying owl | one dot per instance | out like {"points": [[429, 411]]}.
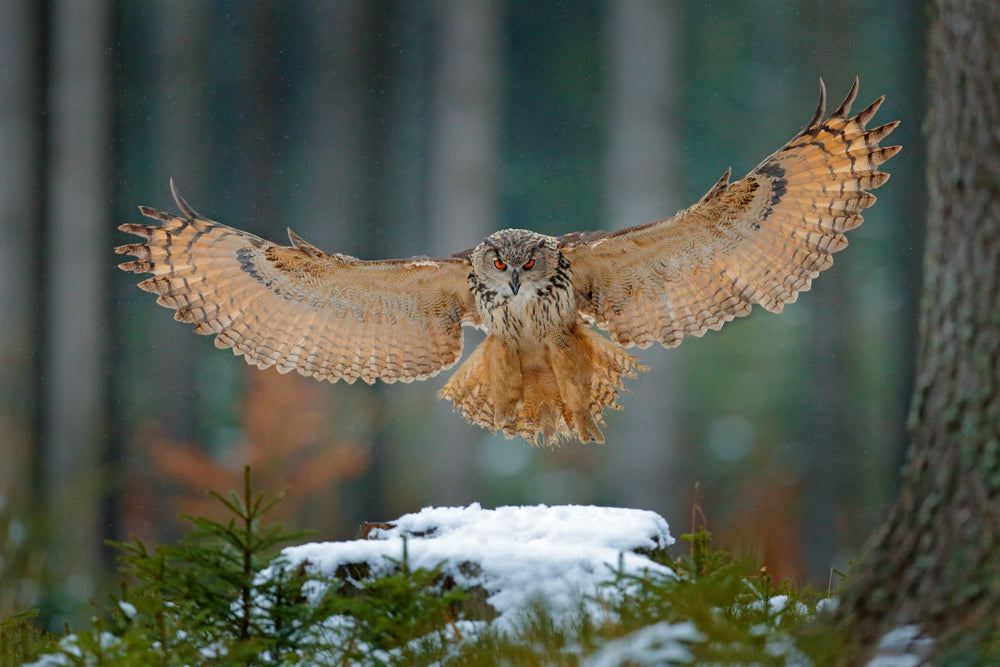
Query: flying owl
{"points": [[543, 372]]}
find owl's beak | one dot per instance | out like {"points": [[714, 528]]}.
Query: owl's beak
{"points": [[515, 282]]}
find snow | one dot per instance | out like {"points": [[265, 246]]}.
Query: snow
{"points": [[827, 605], [128, 609], [520, 554], [71, 652], [777, 604], [904, 646], [658, 644], [555, 556]]}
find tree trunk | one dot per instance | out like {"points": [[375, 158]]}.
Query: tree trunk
{"points": [[935, 562], [74, 437], [21, 146], [640, 180], [462, 194], [180, 81]]}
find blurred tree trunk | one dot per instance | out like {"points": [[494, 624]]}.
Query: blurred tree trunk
{"points": [[21, 146], [827, 373], [181, 31], [329, 176], [175, 145], [462, 194], [78, 239], [935, 561], [640, 185], [389, 222], [332, 210]]}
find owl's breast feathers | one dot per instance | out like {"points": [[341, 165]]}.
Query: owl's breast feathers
{"points": [[541, 373]]}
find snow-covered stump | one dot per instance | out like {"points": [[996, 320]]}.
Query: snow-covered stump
{"points": [[508, 557]]}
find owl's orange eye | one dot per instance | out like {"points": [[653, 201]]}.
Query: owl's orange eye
{"points": [[500, 265], [530, 263]]}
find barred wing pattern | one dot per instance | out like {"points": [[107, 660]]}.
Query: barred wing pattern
{"points": [[328, 316], [759, 240]]}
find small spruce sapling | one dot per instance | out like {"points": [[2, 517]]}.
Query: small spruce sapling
{"points": [[205, 594]]}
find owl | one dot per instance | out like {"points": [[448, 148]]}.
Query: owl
{"points": [[545, 371]]}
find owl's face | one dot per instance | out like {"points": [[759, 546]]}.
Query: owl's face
{"points": [[516, 261]]}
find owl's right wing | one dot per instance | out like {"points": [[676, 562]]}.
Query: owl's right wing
{"points": [[328, 316], [758, 240]]}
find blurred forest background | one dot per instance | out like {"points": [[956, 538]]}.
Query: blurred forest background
{"points": [[390, 129]]}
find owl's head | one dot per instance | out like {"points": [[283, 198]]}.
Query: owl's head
{"points": [[513, 261]]}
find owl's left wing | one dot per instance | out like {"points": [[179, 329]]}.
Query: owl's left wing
{"points": [[329, 316], [761, 239]]}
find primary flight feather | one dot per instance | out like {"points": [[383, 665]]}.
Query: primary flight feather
{"points": [[543, 372]]}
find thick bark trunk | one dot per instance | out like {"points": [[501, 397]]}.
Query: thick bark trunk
{"points": [[935, 561]]}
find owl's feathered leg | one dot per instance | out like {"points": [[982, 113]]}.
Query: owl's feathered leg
{"points": [[552, 390]]}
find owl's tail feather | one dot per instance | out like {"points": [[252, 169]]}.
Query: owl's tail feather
{"points": [[545, 393]]}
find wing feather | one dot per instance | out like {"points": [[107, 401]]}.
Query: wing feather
{"points": [[329, 316], [759, 240]]}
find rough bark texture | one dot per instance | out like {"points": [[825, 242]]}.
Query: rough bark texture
{"points": [[936, 560]]}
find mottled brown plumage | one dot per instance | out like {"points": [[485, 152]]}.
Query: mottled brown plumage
{"points": [[543, 372]]}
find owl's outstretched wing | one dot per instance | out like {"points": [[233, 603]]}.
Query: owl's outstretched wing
{"points": [[761, 239], [329, 316]]}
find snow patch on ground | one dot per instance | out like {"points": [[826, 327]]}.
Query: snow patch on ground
{"points": [[658, 644], [516, 554], [519, 555], [905, 646]]}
